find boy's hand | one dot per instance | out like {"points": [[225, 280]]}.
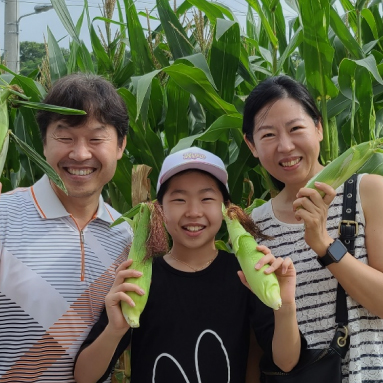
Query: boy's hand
{"points": [[283, 269], [117, 293]]}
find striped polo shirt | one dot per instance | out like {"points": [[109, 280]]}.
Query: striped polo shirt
{"points": [[53, 280]]}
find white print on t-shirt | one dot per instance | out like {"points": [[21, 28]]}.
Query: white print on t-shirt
{"points": [[195, 359]]}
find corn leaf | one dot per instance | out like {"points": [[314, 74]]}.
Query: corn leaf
{"points": [[40, 162], [224, 57], [176, 121], [176, 36], [194, 81], [57, 63]]}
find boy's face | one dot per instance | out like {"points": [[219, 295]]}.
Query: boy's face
{"points": [[192, 206], [85, 157]]}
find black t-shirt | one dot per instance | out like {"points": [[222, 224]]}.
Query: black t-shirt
{"points": [[194, 324]]}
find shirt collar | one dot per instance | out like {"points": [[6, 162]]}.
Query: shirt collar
{"points": [[50, 207]]}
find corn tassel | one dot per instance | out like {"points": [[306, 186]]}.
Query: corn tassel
{"points": [[141, 228], [4, 125], [348, 163], [264, 286]]}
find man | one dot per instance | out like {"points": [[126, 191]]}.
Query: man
{"points": [[57, 252]]}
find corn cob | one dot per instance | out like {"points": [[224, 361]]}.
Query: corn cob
{"points": [[264, 286], [344, 166], [140, 225], [4, 124]]}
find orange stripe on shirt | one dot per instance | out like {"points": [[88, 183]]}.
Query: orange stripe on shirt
{"points": [[37, 204]]}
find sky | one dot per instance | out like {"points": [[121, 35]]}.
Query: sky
{"points": [[34, 27]]}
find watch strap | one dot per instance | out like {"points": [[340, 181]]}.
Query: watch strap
{"points": [[325, 260]]}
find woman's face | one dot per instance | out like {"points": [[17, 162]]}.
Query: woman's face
{"points": [[287, 142]]}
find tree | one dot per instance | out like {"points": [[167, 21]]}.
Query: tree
{"points": [[31, 56]]}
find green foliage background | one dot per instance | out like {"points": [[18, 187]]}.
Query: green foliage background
{"points": [[185, 81]]}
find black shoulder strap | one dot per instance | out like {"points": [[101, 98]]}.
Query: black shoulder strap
{"points": [[348, 230]]}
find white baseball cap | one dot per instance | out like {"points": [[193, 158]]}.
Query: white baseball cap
{"points": [[192, 158]]}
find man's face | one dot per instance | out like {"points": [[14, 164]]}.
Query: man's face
{"points": [[85, 157]]}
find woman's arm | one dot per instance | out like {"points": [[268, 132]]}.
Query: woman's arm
{"points": [[361, 281], [286, 343], [93, 361]]}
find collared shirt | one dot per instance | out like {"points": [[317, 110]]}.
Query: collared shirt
{"points": [[53, 281]]}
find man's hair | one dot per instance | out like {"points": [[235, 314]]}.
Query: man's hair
{"points": [[88, 92]]}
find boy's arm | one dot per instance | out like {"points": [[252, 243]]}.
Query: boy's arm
{"points": [[100, 352], [110, 332]]}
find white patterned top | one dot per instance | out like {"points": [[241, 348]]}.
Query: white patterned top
{"points": [[316, 292]]}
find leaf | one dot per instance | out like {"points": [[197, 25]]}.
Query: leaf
{"points": [[236, 171], [198, 60], [64, 15], [175, 34], [224, 57], [57, 64], [104, 63], [139, 46], [344, 35], [265, 23], [317, 51], [123, 178], [176, 121], [295, 41], [143, 92], [49, 108], [3, 152], [127, 216], [40, 162], [194, 81]]}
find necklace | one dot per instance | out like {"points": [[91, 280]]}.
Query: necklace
{"points": [[191, 267]]}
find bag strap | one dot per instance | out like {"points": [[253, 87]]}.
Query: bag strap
{"points": [[348, 230]]}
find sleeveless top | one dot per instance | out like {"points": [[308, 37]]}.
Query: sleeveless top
{"points": [[316, 291]]}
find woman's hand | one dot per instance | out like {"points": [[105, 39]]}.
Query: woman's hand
{"points": [[283, 269], [312, 209], [117, 293]]}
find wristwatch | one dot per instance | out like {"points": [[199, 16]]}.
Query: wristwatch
{"points": [[335, 252]]}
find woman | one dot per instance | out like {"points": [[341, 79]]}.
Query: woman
{"points": [[282, 127]]}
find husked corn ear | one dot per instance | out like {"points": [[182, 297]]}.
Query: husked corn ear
{"points": [[264, 286], [141, 228], [344, 166]]}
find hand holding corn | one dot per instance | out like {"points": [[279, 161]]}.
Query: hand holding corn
{"points": [[283, 269], [117, 324], [264, 286], [312, 209]]}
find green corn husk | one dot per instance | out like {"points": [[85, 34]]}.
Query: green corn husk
{"points": [[4, 125], [264, 286], [348, 163], [141, 228]]}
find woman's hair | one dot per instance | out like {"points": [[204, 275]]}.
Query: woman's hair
{"points": [[272, 90], [269, 91]]}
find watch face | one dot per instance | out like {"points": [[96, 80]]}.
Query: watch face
{"points": [[337, 250]]}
